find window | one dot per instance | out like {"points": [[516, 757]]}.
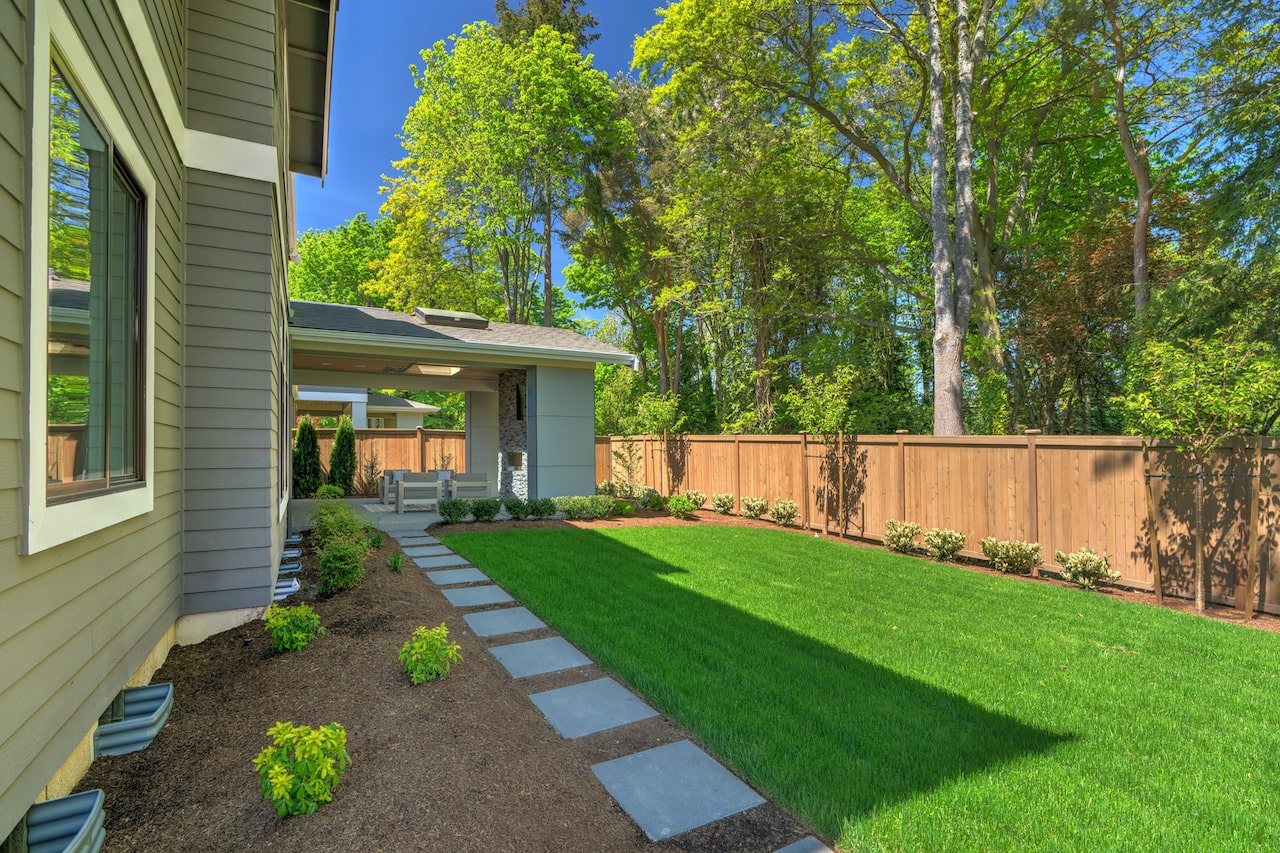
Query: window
{"points": [[96, 238], [377, 423]]}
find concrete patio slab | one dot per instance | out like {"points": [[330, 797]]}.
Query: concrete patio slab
{"points": [[584, 709], [447, 561], [513, 620], [805, 845], [538, 656], [674, 788], [417, 539], [426, 550], [452, 576], [476, 596]]}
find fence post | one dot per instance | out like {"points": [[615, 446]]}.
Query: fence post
{"points": [[902, 473], [737, 471], [1255, 536], [1033, 499], [804, 480], [1154, 532], [422, 450]]}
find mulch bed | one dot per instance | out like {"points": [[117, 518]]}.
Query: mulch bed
{"points": [[463, 764]]}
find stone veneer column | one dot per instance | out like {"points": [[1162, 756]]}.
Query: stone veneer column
{"points": [[513, 434]]}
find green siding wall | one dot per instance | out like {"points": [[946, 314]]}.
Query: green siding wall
{"points": [[231, 67]]}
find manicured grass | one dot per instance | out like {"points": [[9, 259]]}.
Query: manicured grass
{"points": [[899, 704]]}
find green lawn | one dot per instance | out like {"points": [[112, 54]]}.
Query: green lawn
{"points": [[900, 704]]}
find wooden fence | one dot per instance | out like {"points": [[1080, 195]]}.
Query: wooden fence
{"points": [[404, 449], [1064, 492]]}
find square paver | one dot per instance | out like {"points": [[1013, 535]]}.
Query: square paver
{"points": [[512, 620], [426, 550], [452, 576], [447, 561], [584, 709], [538, 656], [805, 845], [410, 541], [475, 596], [674, 788]]}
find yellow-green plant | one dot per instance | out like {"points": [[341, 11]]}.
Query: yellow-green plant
{"points": [[754, 507], [429, 654], [291, 628], [299, 772]]}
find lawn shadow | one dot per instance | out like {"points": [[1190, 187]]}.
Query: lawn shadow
{"points": [[831, 735]]}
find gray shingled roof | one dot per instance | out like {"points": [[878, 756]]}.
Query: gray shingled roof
{"points": [[378, 400], [378, 321]]}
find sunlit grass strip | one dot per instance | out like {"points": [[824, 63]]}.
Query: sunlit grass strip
{"points": [[902, 704]]}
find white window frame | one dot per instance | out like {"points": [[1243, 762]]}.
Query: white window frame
{"points": [[48, 525]]}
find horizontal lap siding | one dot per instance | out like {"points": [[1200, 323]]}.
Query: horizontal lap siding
{"points": [[169, 28], [230, 459], [231, 68], [77, 620]]}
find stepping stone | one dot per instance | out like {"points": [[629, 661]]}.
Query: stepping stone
{"points": [[475, 596], [445, 562], [674, 788], [805, 845], [410, 541], [512, 620], [452, 576], [426, 550], [584, 709], [538, 656]]}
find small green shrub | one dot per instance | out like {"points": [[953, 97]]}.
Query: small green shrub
{"points": [[328, 492], [697, 498], [542, 507], [943, 544], [291, 628], [428, 654], [599, 506], [754, 507], [342, 459], [453, 510], [785, 512], [396, 562], [607, 487], [341, 567], [680, 506], [334, 521], [722, 503], [652, 500], [515, 507], [1086, 568], [375, 540], [624, 509], [485, 509], [298, 774], [1012, 556], [573, 506], [901, 535]]}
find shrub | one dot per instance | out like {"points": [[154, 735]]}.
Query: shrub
{"points": [[722, 502], [901, 535], [485, 509], [334, 521], [696, 498], [298, 774], [1086, 568], [515, 507], [680, 506], [307, 476], [369, 476], [573, 506], [606, 487], [599, 506], [396, 562], [542, 507], [1012, 556], [624, 509], [342, 460], [291, 628], [754, 507], [784, 512], [328, 492], [943, 544], [375, 540], [428, 654], [341, 567], [453, 510], [652, 500]]}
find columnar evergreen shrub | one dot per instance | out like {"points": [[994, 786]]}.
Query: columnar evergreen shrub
{"points": [[785, 512], [943, 544], [722, 503], [1012, 556], [1086, 568], [901, 535], [306, 460], [342, 461], [341, 567], [754, 507], [334, 521]]}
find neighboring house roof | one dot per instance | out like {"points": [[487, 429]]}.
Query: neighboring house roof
{"points": [[495, 339], [379, 402]]}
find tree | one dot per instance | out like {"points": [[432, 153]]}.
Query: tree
{"points": [[565, 16], [307, 476], [339, 264], [342, 459]]}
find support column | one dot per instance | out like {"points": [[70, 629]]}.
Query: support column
{"points": [[482, 434]]}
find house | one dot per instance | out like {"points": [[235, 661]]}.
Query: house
{"points": [[367, 409], [148, 353]]}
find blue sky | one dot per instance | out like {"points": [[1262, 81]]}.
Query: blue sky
{"points": [[375, 43]]}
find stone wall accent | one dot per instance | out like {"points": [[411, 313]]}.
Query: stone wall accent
{"points": [[513, 434]]}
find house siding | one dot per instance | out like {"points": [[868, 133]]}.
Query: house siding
{"points": [[168, 19], [231, 68], [232, 535], [78, 619]]}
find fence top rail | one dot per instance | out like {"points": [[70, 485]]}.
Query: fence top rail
{"points": [[412, 432], [1268, 444]]}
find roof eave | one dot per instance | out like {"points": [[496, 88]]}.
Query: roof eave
{"points": [[310, 25]]}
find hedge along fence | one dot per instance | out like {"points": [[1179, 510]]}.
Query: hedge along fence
{"points": [[1063, 492], [401, 449]]}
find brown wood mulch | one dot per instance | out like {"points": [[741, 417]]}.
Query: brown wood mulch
{"points": [[463, 764]]}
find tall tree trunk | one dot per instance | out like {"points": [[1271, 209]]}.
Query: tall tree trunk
{"points": [[548, 315], [1135, 154]]}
